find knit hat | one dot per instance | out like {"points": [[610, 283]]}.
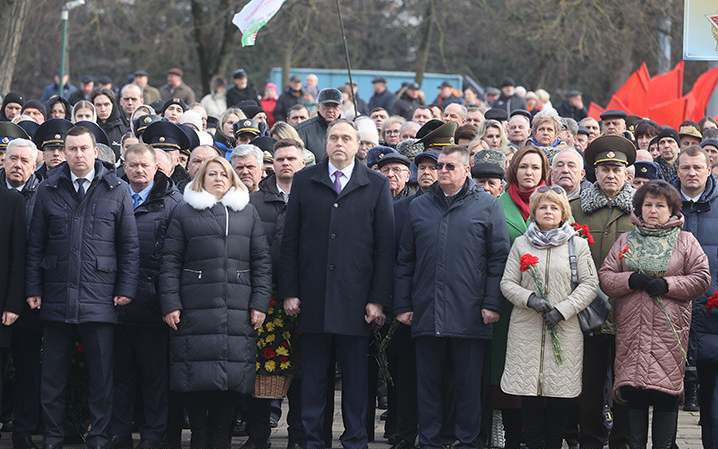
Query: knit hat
{"points": [[410, 147], [367, 131], [35, 104]]}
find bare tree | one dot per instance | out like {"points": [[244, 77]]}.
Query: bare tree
{"points": [[12, 16]]}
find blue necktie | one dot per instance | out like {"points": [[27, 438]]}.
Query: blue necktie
{"points": [[81, 188], [136, 200]]}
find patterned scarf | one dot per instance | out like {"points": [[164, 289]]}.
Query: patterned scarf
{"points": [[548, 239], [652, 249]]}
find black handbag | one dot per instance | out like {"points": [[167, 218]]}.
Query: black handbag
{"points": [[592, 317]]}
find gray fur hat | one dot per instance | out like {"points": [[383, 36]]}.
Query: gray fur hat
{"points": [[410, 147], [495, 157]]}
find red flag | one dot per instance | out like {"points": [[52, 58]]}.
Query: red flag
{"points": [[595, 111], [697, 98], [669, 113], [632, 96], [666, 86]]}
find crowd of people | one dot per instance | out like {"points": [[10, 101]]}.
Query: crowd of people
{"points": [[155, 237]]}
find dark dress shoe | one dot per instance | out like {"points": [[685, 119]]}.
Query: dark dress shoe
{"points": [[23, 443], [149, 444], [239, 429], [120, 442], [403, 444], [253, 444], [294, 445]]}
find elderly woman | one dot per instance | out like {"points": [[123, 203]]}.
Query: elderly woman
{"points": [[215, 286], [664, 269], [545, 128], [492, 132], [528, 170], [531, 371]]}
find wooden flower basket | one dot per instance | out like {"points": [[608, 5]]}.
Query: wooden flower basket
{"points": [[271, 387]]}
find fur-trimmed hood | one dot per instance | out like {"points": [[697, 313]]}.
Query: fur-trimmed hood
{"points": [[234, 199], [593, 199]]}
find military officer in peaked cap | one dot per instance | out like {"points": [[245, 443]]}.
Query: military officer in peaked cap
{"points": [[9, 132], [172, 139], [436, 133], [50, 139], [140, 124]]}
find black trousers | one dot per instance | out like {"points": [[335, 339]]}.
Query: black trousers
{"points": [[26, 350], [58, 348], [708, 400], [404, 406], [544, 421], [316, 359], [211, 414], [258, 419], [595, 363], [140, 354], [467, 360]]}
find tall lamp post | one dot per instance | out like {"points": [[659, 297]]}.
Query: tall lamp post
{"points": [[64, 15]]}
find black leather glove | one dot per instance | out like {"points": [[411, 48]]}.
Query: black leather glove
{"points": [[552, 318], [638, 281], [538, 304], [657, 287]]}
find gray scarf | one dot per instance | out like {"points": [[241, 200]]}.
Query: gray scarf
{"points": [[548, 239]]}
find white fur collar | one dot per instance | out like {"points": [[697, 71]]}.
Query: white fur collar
{"points": [[234, 199]]}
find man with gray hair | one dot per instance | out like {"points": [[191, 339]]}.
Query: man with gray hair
{"points": [[519, 130], [247, 160], [569, 129], [18, 174], [567, 171], [197, 158], [408, 130], [456, 113]]}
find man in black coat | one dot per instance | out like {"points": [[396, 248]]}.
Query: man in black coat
{"points": [[292, 95], [313, 132], [18, 174], [271, 204], [383, 97], [141, 338], [336, 268], [242, 90], [451, 259], [82, 262], [572, 106]]}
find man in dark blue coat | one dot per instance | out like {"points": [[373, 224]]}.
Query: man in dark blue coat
{"points": [[82, 262], [451, 259], [141, 339], [699, 193], [336, 268], [383, 97]]}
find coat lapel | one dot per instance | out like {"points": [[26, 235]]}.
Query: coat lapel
{"points": [[359, 177]]}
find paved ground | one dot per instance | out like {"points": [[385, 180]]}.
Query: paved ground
{"points": [[689, 436]]}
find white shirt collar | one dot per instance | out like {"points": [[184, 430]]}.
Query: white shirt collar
{"points": [[347, 171], [19, 189], [89, 177], [687, 198]]}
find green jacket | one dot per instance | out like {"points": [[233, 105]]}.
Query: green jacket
{"points": [[606, 221], [517, 227]]}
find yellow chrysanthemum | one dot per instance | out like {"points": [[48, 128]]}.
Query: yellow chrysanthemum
{"points": [[270, 311], [270, 365], [261, 343], [259, 365], [270, 338], [286, 335], [282, 351], [259, 331], [278, 322], [285, 365], [270, 327]]}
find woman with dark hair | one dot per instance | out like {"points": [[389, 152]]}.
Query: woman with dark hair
{"points": [[707, 122], [215, 287], [58, 107], [644, 131], [529, 169], [108, 117], [654, 271]]}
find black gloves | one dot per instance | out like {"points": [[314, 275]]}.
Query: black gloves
{"points": [[538, 304], [552, 318], [657, 287], [639, 281]]}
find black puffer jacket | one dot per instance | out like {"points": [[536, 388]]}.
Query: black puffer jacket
{"points": [[152, 217], [81, 254], [289, 98], [313, 133], [215, 268], [271, 209]]}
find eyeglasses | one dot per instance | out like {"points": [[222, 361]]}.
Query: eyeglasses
{"points": [[391, 132], [450, 167], [556, 189], [397, 170]]}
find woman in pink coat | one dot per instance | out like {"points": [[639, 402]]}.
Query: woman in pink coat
{"points": [[663, 264]]}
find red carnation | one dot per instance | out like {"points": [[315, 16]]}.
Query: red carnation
{"points": [[271, 302], [269, 353], [528, 261], [283, 358], [712, 302], [80, 348], [624, 251]]}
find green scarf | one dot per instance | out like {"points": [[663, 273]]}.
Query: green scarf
{"points": [[651, 249]]}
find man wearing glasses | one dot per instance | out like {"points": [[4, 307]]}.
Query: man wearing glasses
{"points": [[395, 167], [451, 258]]}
